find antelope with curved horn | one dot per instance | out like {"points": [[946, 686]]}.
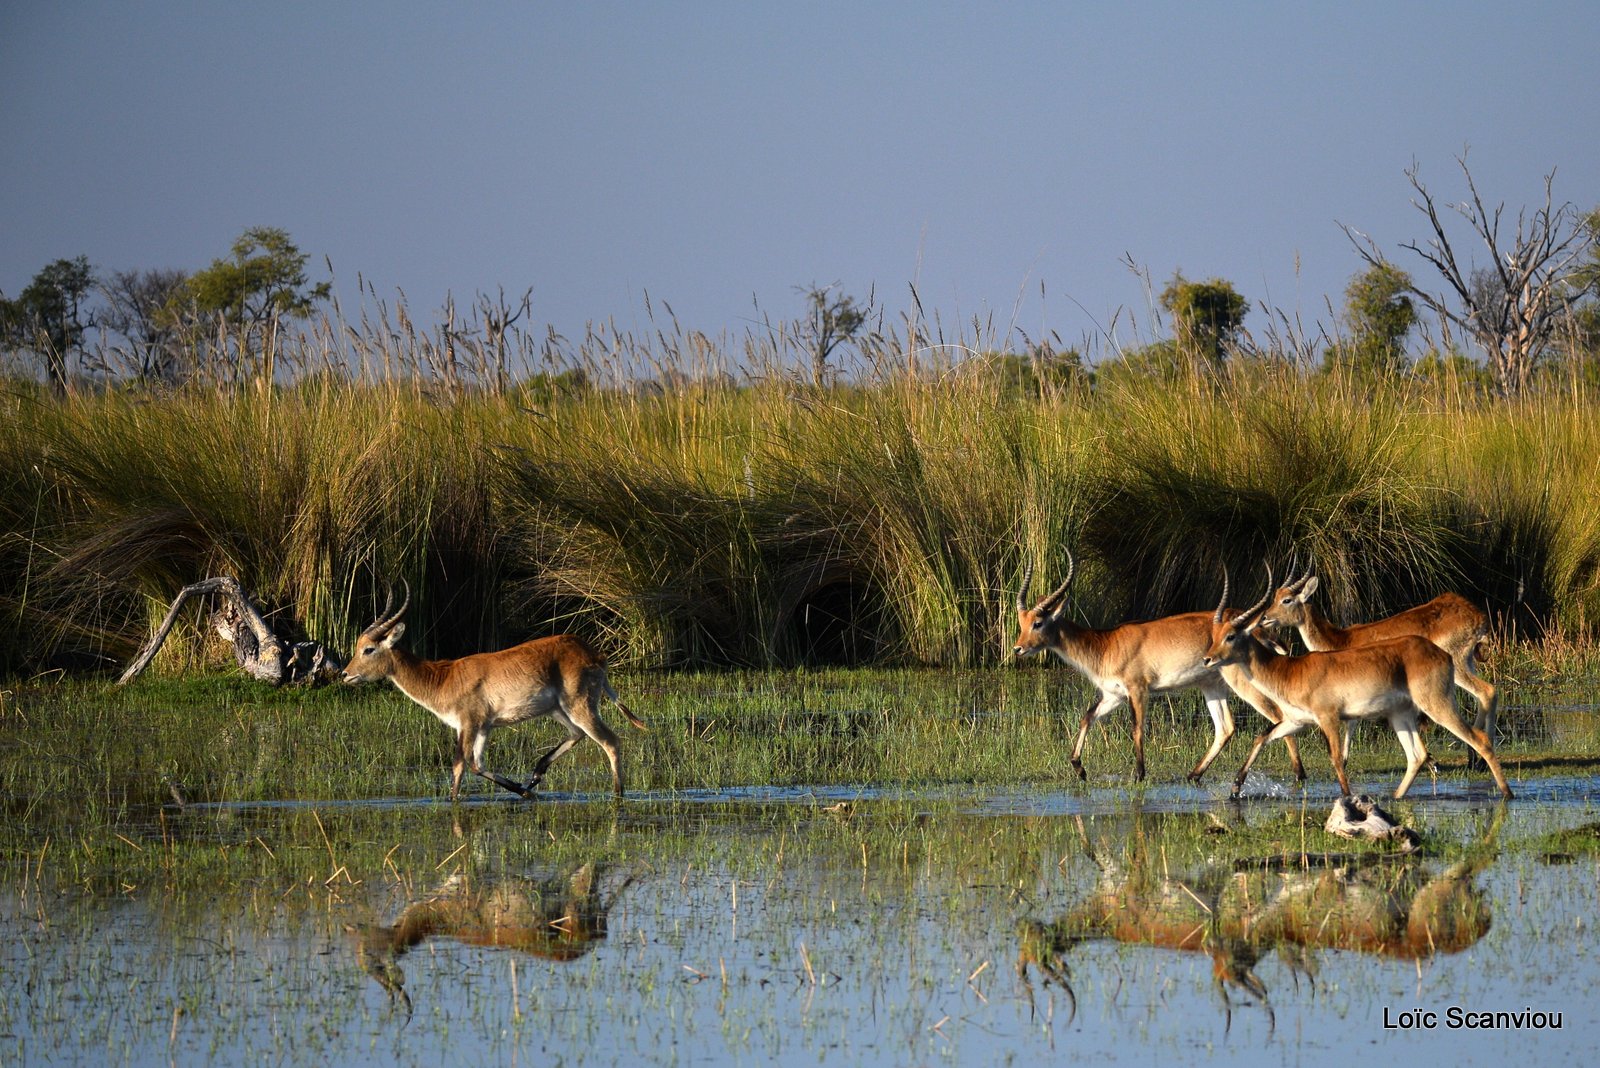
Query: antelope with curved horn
{"points": [[1130, 662], [1397, 680], [1449, 621], [560, 677]]}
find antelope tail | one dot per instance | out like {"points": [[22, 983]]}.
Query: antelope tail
{"points": [[626, 711]]}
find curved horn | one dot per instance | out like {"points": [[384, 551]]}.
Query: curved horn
{"points": [[1022, 594], [1059, 594], [1247, 618], [1222, 604], [1297, 584], [385, 621]]}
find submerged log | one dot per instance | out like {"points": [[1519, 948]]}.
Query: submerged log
{"points": [[260, 652]]}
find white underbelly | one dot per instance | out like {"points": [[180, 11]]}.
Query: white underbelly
{"points": [[1380, 706], [541, 702]]}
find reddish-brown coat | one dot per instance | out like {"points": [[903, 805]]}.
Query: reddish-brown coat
{"points": [[561, 677], [1132, 661], [1449, 621], [1396, 680]]}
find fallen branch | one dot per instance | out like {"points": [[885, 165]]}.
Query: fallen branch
{"points": [[260, 652]]}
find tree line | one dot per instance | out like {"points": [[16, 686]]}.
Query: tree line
{"points": [[163, 321], [1533, 307]]}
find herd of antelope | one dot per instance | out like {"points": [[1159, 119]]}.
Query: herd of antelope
{"points": [[1398, 669]]}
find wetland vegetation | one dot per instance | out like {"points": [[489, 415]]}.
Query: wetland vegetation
{"points": [[889, 867], [851, 831]]}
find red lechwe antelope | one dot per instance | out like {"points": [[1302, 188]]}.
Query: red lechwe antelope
{"points": [[1129, 663], [560, 677], [1397, 680], [1449, 621]]}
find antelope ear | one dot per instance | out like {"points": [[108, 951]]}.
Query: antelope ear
{"points": [[393, 635], [1309, 588]]}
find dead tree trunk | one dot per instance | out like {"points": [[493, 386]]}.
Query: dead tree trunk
{"points": [[258, 649]]}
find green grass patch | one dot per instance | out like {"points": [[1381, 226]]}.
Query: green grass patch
{"points": [[226, 739]]}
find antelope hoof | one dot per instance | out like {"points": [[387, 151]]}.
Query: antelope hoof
{"points": [[1083, 776]]}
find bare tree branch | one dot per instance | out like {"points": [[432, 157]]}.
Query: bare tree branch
{"points": [[260, 652], [1513, 308]]}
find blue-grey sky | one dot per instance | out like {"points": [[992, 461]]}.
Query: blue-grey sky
{"points": [[726, 151]]}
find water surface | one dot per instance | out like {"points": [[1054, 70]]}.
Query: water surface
{"points": [[788, 925]]}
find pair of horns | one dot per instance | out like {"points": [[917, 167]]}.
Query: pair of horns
{"points": [[385, 620], [1250, 615], [1053, 601], [1255, 609], [1293, 585]]}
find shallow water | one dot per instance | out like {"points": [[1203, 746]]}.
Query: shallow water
{"points": [[791, 925]]}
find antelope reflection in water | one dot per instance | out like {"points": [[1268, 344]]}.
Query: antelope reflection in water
{"points": [[559, 919], [1386, 905]]}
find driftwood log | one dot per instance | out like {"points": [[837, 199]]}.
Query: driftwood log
{"points": [[258, 649]]}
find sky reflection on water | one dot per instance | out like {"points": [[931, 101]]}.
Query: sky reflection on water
{"points": [[785, 925]]}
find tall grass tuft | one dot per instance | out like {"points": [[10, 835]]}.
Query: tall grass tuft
{"points": [[1264, 466], [316, 500], [684, 501]]}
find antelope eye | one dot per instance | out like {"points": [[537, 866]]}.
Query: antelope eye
{"points": [[369, 650]]}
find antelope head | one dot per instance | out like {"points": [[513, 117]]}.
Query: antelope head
{"points": [[1230, 641], [374, 654], [1287, 607], [1037, 626]]}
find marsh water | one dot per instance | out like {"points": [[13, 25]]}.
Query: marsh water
{"points": [[791, 926], [289, 885]]}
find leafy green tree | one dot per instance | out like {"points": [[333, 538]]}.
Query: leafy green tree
{"points": [[263, 281], [1379, 315], [1159, 361], [1454, 369], [1206, 316], [1575, 355], [1586, 278], [1040, 372], [47, 318]]}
